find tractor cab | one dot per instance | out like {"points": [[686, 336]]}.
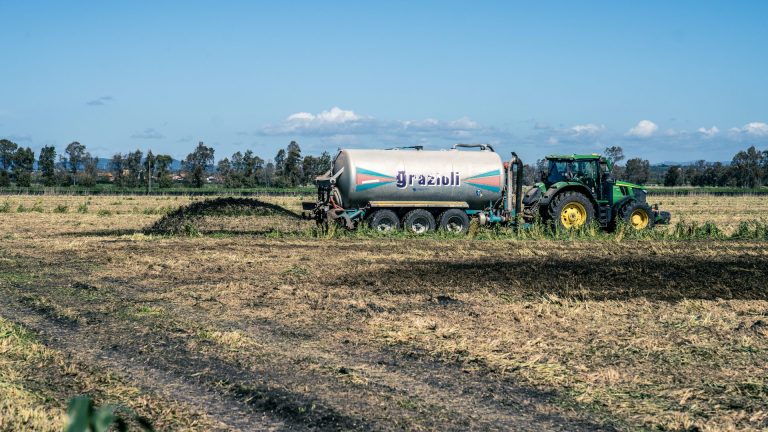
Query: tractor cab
{"points": [[592, 171], [576, 189]]}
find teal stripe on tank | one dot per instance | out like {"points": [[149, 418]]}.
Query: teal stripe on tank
{"points": [[372, 173], [485, 174], [486, 187], [367, 186]]}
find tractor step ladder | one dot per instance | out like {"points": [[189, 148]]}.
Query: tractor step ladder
{"points": [[604, 214]]}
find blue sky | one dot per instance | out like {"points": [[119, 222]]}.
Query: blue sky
{"points": [[679, 80]]}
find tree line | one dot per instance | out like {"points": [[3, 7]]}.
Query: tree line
{"points": [[76, 166], [289, 168], [748, 169]]}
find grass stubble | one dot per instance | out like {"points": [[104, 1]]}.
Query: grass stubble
{"points": [[359, 331]]}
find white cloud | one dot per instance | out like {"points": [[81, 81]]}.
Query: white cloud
{"points": [[643, 129], [758, 129], [301, 116], [334, 115], [340, 122], [709, 132], [587, 129]]}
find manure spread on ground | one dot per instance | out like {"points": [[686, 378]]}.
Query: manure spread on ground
{"points": [[187, 219]]}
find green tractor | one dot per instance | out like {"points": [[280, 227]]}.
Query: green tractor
{"points": [[576, 190]]}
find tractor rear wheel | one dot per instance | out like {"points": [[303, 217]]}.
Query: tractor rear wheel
{"points": [[571, 210], [454, 221], [638, 215], [384, 220], [418, 221]]}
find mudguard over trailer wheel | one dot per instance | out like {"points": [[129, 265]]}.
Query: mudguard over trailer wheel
{"points": [[384, 220], [454, 220], [419, 221]]}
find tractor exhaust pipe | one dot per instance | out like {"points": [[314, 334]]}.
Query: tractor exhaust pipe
{"points": [[518, 186]]}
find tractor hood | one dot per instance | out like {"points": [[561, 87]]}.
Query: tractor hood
{"points": [[629, 185]]}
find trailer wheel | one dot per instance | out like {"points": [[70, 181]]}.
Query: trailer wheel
{"points": [[454, 220], [384, 221], [419, 221]]}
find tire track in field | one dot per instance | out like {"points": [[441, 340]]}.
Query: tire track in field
{"points": [[76, 342], [255, 398]]}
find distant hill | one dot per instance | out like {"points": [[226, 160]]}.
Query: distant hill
{"points": [[673, 163]]}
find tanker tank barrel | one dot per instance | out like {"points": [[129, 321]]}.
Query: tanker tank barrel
{"points": [[420, 188]]}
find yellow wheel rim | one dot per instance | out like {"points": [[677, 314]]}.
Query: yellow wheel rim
{"points": [[573, 215], [638, 219]]}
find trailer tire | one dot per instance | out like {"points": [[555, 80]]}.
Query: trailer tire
{"points": [[419, 221], [454, 221], [384, 221]]}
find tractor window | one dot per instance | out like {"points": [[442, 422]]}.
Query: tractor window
{"points": [[586, 170], [558, 171]]}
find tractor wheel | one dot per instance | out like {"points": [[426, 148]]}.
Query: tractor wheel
{"points": [[418, 221], [637, 215], [571, 210], [454, 220], [384, 220]]}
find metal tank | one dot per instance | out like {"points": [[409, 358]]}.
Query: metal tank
{"points": [[418, 176]]}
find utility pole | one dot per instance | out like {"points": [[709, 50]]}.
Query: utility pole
{"points": [[149, 171]]}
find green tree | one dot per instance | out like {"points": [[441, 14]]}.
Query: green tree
{"points": [[197, 164], [314, 166], [615, 154], [134, 168], [258, 170], [47, 165], [90, 172], [149, 170], [279, 161], [224, 170], [251, 169], [23, 164], [674, 176], [747, 168], [75, 152], [7, 153], [269, 174], [163, 170], [764, 164], [637, 170], [309, 169], [117, 166], [292, 164], [325, 162]]}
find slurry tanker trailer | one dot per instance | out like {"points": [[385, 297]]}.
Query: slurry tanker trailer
{"points": [[420, 191]]}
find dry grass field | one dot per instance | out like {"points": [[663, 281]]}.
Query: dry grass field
{"points": [[256, 323]]}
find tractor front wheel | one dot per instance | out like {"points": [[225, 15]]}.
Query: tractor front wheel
{"points": [[571, 210], [637, 215]]}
